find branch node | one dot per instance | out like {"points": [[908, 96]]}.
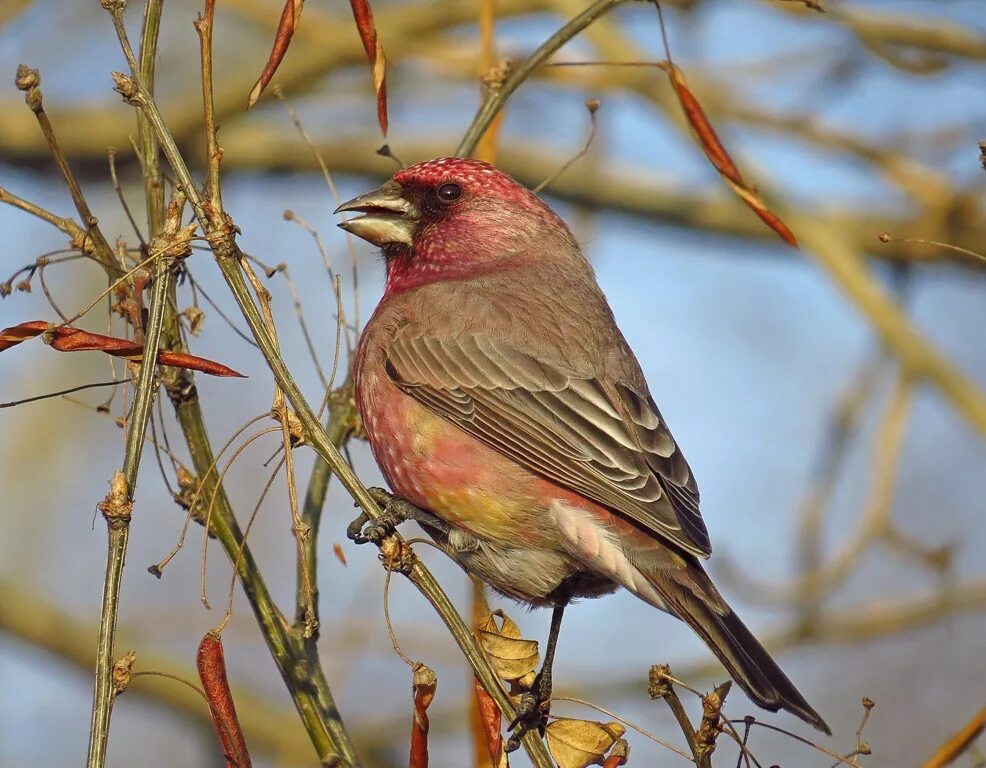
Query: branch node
{"points": [[397, 555], [711, 725], [29, 81], [117, 506], [658, 682], [123, 672], [293, 423], [126, 87]]}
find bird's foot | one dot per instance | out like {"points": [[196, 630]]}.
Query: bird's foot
{"points": [[532, 711], [395, 511]]}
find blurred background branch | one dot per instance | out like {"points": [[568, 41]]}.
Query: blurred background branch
{"points": [[855, 122]]}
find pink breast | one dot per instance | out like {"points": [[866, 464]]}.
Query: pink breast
{"points": [[386, 419], [438, 467]]}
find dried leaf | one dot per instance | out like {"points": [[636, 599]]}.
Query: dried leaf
{"points": [[65, 338], [424, 685], [491, 720], [18, 333], [195, 317], [512, 656], [580, 743], [212, 672], [290, 17], [337, 551], [708, 139], [363, 14]]}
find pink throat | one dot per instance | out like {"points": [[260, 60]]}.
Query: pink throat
{"points": [[407, 269]]}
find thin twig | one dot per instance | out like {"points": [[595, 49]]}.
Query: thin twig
{"points": [[60, 392], [226, 318], [29, 81], [350, 248], [952, 749], [118, 520], [239, 555], [204, 560], [498, 96], [213, 152], [68, 226], [111, 160], [593, 106], [629, 723], [313, 700]]}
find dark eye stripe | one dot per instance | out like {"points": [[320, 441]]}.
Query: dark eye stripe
{"points": [[449, 192]]}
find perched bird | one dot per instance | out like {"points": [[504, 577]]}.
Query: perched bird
{"points": [[504, 405]]}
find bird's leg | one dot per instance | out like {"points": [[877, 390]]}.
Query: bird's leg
{"points": [[395, 512], [535, 705]]}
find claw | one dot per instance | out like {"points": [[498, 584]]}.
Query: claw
{"points": [[527, 711], [532, 713], [354, 531], [364, 529]]}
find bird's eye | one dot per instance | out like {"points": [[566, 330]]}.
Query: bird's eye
{"points": [[449, 192]]}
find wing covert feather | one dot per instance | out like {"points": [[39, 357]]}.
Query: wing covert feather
{"points": [[608, 443]]}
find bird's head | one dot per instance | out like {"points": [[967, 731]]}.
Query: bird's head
{"points": [[451, 219]]}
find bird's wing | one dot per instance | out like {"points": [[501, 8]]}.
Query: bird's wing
{"points": [[604, 441]]}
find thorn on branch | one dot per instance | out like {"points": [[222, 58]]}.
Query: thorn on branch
{"points": [[701, 742]]}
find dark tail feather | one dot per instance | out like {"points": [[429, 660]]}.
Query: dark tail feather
{"points": [[747, 662]]}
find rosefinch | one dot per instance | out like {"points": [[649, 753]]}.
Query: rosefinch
{"points": [[501, 400]]}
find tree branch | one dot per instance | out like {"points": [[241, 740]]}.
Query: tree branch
{"points": [[117, 510]]}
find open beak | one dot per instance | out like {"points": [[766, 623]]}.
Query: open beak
{"points": [[388, 218]]}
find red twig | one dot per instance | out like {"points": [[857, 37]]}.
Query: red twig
{"points": [[212, 672], [491, 719], [708, 139], [424, 684], [713, 148], [363, 14], [290, 17], [66, 338]]}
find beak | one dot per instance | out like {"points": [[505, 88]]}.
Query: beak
{"points": [[388, 217]]}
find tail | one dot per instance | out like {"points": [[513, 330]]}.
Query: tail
{"points": [[689, 594]]}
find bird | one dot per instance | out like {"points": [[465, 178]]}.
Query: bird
{"points": [[511, 419]]}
